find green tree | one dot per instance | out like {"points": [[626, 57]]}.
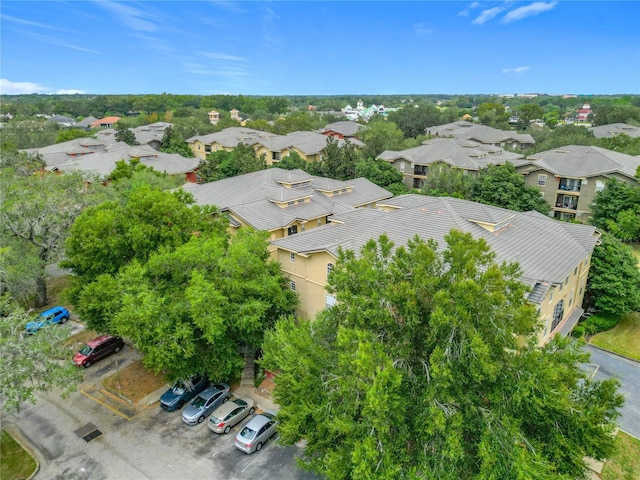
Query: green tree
{"points": [[613, 285], [444, 181], [493, 114], [125, 134], [225, 164], [502, 186], [71, 134], [381, 173], [110, 235], [28, 365], [172, 142], [616, 209], [379, 136], [422, 370], [621, 143], [528, 113], [38, 210], [292, 162], [414, 119]]}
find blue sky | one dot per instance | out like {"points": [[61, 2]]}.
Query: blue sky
{"points": [[319, 47]]}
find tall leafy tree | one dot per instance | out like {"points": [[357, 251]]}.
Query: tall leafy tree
{"points": [[502, 186], [527, 113], [428, 367], [616, 209], [613, 285], [444, 181], [125, 134], [31, 364], [381, 135], [172, 142], [38, 211], [225, 164], [493, 114], [381, 173]]}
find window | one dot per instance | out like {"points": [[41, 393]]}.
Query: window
{"points": [[301, 200], [292, 230], [402, 166], [291, 203], [319, 221], [293, 285], [575, 271], [275, 155], [551, 296], [292, 257], [542, 180], [329, 301], [329, 268], [558, 313], [599, 185], [302, 227], [571, 295]]}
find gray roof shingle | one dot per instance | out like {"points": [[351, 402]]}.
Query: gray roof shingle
{"points": [[546, 250]]}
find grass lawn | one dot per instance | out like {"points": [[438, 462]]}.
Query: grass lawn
{"points": [[15, 462], [134, 382], [624, 338], [625, 464]]}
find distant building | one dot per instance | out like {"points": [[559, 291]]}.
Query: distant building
{"points": [[465, 130], [106, 122], [615, 129], [214, 117]]}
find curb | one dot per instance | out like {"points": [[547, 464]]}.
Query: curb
{"points": [[17, 436], [613, 353]]}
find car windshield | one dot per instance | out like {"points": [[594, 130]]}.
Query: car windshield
{"points": [[198, 402], [247, 433], [213, 419], [178, 388], [86, 350]]}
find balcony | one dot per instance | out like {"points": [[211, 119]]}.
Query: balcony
{"points": [[566, 202], [569, 185], [420, 170]]}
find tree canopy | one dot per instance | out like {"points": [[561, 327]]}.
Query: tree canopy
{"points": [[613, 285], [616, 209], [224, 164], [167, 276], [428, 367], [32, 364], [502, 186]]}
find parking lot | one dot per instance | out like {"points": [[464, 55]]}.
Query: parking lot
{"points": [[81, 437]]}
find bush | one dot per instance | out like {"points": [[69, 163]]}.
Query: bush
{"points": [[595, 324]]}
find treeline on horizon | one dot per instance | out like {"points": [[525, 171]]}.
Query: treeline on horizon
{"points": [[84, 105]]}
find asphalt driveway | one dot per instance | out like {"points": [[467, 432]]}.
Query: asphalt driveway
{"points": [[79, 438], [608, 365]]}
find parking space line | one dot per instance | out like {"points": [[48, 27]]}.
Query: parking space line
{"points": [[117, 412]]}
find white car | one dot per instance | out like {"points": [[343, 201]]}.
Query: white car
{"points": [[256, 432]]}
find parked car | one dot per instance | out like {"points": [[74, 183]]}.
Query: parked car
{"points": [[53, 315], [97, 349], [256, 432], [229, 414], [181, 392], [205, 403]]}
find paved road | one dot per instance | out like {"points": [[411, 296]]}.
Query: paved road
{"points": [[152, 445], [627, 372]]}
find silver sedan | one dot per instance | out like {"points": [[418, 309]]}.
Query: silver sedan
{"points": [[229, 414], [205, 403]]}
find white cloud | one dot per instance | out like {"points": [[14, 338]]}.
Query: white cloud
{"points": [[530, 10], [69, 92], [488, 14], [131, 17], [7, 87], [516, 70], [467, 11], [223, 56], [422, 29]]}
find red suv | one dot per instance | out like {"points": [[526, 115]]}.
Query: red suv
{"points": [[97, 349]]}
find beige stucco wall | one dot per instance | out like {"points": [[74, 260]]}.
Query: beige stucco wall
{"points": [[572, 293], [310, 276]]}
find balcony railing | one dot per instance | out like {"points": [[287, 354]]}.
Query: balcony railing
{"points": [[420, 171], [570, 203], [569, 187]]}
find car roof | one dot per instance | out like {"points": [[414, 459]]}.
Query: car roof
{"points": [[258, 421], [207, 392], [99, 340], [52, 310]]}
